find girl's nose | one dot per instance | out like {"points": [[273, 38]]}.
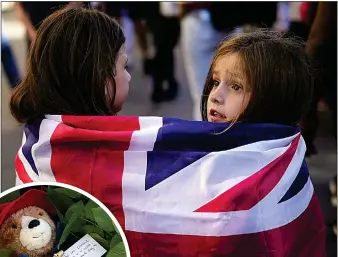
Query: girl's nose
{"points": [[217, 96]]}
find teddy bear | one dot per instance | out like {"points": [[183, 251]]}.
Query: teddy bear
{"points": [[27, 227], [29, 231]]}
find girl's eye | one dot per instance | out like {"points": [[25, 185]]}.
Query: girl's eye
{"points": [[215, 83], [236, 87]]}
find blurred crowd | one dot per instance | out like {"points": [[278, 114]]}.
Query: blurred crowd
{"points": [[200, 26]]}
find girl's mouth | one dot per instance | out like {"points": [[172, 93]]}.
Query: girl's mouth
{"points": [[215, 116]]}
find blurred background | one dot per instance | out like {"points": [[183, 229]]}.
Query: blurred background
{"points": [[180, 42]]}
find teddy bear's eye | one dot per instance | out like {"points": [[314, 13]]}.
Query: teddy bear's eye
{"points": [[14, 226]]}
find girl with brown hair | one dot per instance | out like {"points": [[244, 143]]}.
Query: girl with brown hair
{"points": [[77, 65], [259, 77]]}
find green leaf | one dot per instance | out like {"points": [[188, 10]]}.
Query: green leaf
{"points": [[74, 225], [115, 240], [88, 210], [10, 197], [103, 242], [117, 251], [68, 192], [5, 252], [77, 208], [103, 220], [87, 229], [61, 202], [61, 217]]}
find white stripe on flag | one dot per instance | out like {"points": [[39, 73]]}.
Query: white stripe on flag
{"points": [[18, 181], [23, 141], [135, 159], [42, 150], [289, 176], [203, 180], [212, 175], [221, 224], [30, 172], [57, 118], [144, 139], [168, 207]]}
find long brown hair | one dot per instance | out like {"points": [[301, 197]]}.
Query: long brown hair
{"points": [[279, 75], [69, 65]]}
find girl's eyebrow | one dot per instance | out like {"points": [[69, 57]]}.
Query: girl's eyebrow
{"points": [[230, 74], [234, 75]]}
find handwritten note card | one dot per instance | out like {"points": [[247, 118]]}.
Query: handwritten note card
{"points": [[85, 247]]}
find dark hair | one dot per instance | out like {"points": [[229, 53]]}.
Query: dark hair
{"points": [[69, 65], [279, 75]]}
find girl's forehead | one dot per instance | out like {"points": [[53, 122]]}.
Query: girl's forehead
{"points": [[229, 61], [230, 64]]}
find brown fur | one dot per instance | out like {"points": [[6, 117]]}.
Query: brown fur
{"points": [[10, 232]]}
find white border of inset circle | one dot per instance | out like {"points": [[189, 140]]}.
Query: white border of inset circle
{"points": [[32, 184]]}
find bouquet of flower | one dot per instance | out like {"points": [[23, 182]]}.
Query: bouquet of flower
{"points": [[79, 216]]}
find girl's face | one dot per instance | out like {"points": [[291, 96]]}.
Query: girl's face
{"points": [[122, 80], [227, 98]]}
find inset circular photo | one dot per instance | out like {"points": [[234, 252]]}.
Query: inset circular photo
{"points": [[57, 220]]}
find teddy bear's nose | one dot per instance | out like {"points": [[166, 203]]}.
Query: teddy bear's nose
{"points": [[33, 224]]}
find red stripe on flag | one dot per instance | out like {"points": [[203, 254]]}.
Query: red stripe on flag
{"points": [[303, 237], [250, 191], [20, 169], [101, 123], [91, 159]]}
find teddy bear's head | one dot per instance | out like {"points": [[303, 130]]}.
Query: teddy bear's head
{"points": [[28, 231]]}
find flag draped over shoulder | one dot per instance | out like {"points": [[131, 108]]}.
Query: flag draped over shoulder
{"points": [[184, 188]]}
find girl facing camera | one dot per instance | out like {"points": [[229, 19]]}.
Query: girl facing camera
{"points": [[258, 77]]}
